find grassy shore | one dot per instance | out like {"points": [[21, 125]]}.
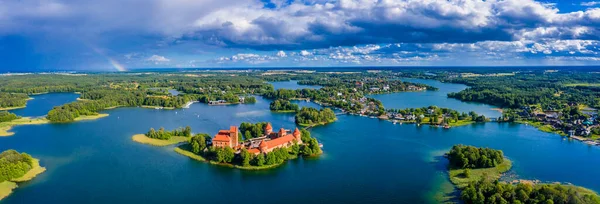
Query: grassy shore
{"points": [[183, 151], [36, 169], [458, 178], [543, 127], [11, 108], [6, 126], [7, 187], [141, 138], [316, 124]]}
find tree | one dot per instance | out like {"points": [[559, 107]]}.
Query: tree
{"points": [[246, 157]]}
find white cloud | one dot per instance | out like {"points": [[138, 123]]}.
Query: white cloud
{"points": [[590, 3], [158, 59], [281, 54]]}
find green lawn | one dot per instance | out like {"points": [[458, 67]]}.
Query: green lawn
{"points": [[141, 138], [457, 175]]}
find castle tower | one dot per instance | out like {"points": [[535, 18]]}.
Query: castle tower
{"points": [[281, 132], [297, 135], [233, 134], [268, 129]]}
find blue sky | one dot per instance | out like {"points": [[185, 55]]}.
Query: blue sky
{"points": [[46, 35]]}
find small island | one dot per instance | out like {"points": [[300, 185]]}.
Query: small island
{"points": [[16, 167], [283, 106], [476, 172], [163, 137], [257, 150], [310, 117]]}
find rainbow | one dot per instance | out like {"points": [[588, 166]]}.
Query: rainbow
{"points": [[116, 65]]}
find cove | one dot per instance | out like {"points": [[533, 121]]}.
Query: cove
{"points": [[41, 104], [437, 98], [365, 160]]}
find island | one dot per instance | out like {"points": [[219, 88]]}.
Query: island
{"points": [[310, 117], [283, 106], [16, 167], [163, 137], [233, 149], [476, 172]]}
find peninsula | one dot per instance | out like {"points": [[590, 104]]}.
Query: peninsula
{"points": [[16, 167]]}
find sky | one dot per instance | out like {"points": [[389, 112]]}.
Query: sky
{"points": [[118, 35]]}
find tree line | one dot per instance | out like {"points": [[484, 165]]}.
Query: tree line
{"points": [[163, 134]]}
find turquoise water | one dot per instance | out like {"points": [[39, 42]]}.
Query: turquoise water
{"points": [[365, 161], [41, 104], [438, 98]]}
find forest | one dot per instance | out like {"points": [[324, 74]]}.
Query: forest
{"points": [[163, 134], [8, 100], [548, 89], [14, 164], [283, 106], [462, 156], [485, 191], [308, 116]]}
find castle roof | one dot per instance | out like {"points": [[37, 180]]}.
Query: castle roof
{"points": [[278, 141], [296, 132], [268, 127]]}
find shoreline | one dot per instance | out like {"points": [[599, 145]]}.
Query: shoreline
{"points": [[181, 150], [143, 139], [7, 187], [12, 108]]}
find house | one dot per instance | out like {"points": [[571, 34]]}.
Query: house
{"points": [[275, 140], [374, 89], [386, 88]]}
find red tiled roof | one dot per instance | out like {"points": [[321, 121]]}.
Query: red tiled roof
{"points": [[279, 141], [253, 151], [296, 132], [223, 135], [269, 127]]}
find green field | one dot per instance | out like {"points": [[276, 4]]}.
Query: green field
{"points": [[457, 175]]}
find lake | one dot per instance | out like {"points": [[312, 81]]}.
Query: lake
{"points": [[365, 160], [292, 84]]}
